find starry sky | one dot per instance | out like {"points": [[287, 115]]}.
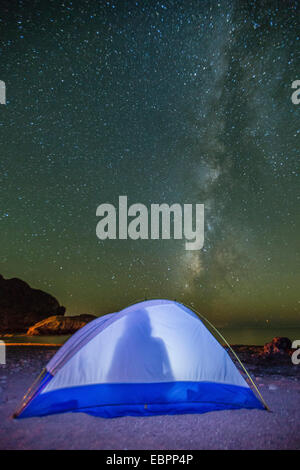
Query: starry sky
{"points": [[165, 102]]}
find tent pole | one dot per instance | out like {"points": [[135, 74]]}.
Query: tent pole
{"points": [[234, 353], [30, 393]]}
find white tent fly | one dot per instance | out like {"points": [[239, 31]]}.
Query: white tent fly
{"points": [[154, 357]]}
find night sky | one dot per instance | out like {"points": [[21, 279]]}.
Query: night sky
{"points": [[165, 102]]}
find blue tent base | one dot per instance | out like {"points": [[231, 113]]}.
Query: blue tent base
{"points": [[156, 409], [142, 399]]}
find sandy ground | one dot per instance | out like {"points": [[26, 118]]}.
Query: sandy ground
{"points": [[234, 429]]}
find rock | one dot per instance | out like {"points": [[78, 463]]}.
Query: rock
{"points": [[272, 387], [277, 347], [21, 306], [60, 325]]}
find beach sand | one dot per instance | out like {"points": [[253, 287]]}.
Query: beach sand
{"points": [[279, 384]]}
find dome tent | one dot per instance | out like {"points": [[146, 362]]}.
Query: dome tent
{"points": [[154, 357]]}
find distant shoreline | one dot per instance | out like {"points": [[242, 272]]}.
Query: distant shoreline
{"points": [[59, 345], [246, 337], [34, 344]]}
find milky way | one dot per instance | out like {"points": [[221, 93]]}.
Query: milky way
{"points": [[165, 102]]}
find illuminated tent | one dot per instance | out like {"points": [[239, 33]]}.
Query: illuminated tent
{"points": [[154, 357]]}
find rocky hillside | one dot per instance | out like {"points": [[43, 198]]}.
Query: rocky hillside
{"points": [[21, 306], [60, 325]]}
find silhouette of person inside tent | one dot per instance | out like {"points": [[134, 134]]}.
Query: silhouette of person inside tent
{"points": [[139, 356]]}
